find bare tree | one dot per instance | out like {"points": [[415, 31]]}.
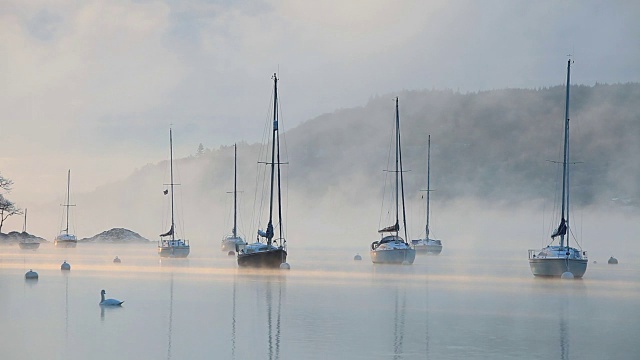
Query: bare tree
{"points": [[7, 207]]}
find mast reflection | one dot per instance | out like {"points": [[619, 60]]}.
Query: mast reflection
{"points": [[400, 310], [170, 319], [274, 287]]}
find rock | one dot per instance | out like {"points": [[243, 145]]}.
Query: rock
{"points": [[15, 237], [116, 236]]}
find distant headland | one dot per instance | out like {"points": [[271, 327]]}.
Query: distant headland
{"points": [[113, 236]]}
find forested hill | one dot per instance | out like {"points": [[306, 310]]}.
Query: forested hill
{"points": [[490, 145]]}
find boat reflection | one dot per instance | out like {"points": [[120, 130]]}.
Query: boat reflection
{"points": [[170, 319], [400, 310], [233, 320], [268, 288], [274, 287], [564, 332]]}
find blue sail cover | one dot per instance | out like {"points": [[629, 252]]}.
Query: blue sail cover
{"points": [[561, 230], [268, 233], [392, 228], [168, 233]]}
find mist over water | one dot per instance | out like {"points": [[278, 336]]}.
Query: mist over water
{"points": [[451, 306]]}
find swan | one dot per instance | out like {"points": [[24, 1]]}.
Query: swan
{"points": [[109, 302]]}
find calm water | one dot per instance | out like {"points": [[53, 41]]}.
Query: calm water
{"points": [[327, 307]]}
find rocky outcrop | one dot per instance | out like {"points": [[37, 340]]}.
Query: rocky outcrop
{"points": [[116, 236], [15, 237]]}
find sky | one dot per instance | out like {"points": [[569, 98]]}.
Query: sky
{"points": [[93, 86]]}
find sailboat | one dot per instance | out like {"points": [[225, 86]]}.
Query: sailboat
{"points": [[27, 243], [428, 245], [64, 239], [234, 242], [555, 260], [172, 246], [272, 252], [393, 249]]}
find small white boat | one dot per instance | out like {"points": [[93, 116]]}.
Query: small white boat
{"points": [[65, 239], [428, 245], [172, 246], [393, 249], [233, 241], [555, 260]]}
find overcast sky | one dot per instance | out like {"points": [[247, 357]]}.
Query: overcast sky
{"points": [[94, 85]]}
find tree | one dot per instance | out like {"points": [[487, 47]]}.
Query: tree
{"points": [[7, 207], [200, 151]]}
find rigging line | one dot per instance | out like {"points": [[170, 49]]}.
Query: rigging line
{"points": [[286, 157], [258, 201], [386, 179]]}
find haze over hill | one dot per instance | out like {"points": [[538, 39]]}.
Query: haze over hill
{"points": [[489, 152]]}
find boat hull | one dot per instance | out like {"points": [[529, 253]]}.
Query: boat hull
{"points": [[263, 259], [173, 251], [546, 267], [174, 248], [427, 248], [232, 244], [29, 245], [393, 256], [65, 243]]}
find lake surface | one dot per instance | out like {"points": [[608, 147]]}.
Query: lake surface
{"points": [[328, 306]]}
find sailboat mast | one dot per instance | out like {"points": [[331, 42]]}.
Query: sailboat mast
{"points": [[279, 189], [66, 230], [273, 154], [173, 230], [235, 190], [404, 213], [397, 162], [428, 182], [565, 172]]}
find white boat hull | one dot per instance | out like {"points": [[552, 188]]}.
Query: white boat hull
{"points": [[229, 244], [553, 261], [429, 247], [65, 243], [556, 267], [393, 256], [174, 248]]}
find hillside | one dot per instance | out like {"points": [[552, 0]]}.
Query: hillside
{"points": [[492, 147]]}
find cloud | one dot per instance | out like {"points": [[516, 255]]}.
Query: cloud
{"points": [[94, 85]]}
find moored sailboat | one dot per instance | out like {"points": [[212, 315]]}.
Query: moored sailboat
{"points": [[65, 239], [26, 242], [556, 260], [172, 246], [393, 249], [233, 241], [428, 245], [272, 252]]}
